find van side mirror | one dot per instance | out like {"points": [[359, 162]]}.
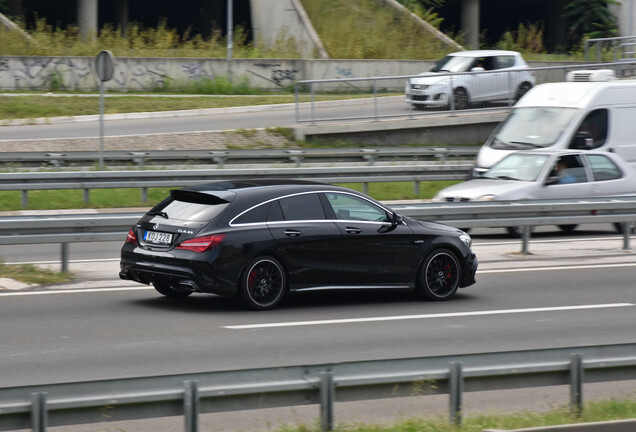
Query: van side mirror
{"points": [[582, 141]]}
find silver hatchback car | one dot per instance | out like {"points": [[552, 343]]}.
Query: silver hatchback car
{"points": [[467, 77], [548, 174]]}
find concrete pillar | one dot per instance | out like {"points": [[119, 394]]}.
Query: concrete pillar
{"points": [[87, 17], [122, 16], [470, 23]]}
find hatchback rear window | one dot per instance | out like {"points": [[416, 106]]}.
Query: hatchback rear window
{"points": [[192, 211]]}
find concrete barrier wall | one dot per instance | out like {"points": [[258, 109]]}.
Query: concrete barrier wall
{"points": [[146, 74]]}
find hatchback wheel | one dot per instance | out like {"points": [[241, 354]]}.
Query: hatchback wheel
{"points": [[169, 292], [262, 284], [522, 89], [460, 98], [439, 276]]}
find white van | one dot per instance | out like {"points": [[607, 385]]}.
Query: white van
{"points": [[591, 110]]}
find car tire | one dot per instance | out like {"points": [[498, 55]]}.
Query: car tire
{"points": [[460, 98], [439, 276], [263, 283], [523, 88], [170, 292], [567, 228]]}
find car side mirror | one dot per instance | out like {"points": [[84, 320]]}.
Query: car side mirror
{"points": [[552, 180], [396, 219]]}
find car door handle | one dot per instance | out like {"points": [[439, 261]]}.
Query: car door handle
{"points": [[293, 233], [353, 230]]}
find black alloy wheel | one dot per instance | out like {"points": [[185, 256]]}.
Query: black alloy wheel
{"points": [[522, 89], [439, 276], [169, 292], [460, 97], [262, 284]]}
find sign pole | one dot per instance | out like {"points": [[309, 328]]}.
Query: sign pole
{"points": [[105, 66]]}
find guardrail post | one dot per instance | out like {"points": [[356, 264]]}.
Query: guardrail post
{"points": [[64, 256], [416, 188], [627, 230], [456, 387], [365, 188], [375, 100], [87, 196], [39, 415], [576, 383], [451, 96], [191, 406], [25, 199], [525, 239], [327, 397], [312, 99], [144, 195]]}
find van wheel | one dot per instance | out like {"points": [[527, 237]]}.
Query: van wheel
{"points": [[522, 89], [567, 228]]}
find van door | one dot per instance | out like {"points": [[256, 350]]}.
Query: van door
{"points": [[623, 139]]}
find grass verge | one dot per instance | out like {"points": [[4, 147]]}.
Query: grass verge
{"points": [[28, 273]]}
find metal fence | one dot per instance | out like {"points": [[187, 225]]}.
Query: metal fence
{"points": [[188, 395], [72, 228], [378, 99], [617, 48]]}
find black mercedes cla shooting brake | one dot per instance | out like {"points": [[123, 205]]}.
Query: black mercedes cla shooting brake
{"points": [[260, 240]]}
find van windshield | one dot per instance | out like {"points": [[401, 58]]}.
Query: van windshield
{"points": [[531, 127]]}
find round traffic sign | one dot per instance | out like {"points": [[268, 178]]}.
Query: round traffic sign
{"points": [[105, 65]]}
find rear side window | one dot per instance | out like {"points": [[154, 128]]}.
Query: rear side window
{"points": [[603, 168], [256, 215], [505, 61], [302, 207]]}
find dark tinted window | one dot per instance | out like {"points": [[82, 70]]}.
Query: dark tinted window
{"points": [[255, 215], [275, 212], [302, 207]]}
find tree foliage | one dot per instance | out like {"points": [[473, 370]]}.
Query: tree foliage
{"points": [[589, 19]]}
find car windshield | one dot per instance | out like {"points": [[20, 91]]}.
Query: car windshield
{"points": [[531, 127], [453, 64], [521, 167]]}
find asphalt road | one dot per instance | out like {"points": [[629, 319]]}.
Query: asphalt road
{"points": [[107, 328]]}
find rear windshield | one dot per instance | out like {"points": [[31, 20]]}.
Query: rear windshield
{"points": [[173, 208]]}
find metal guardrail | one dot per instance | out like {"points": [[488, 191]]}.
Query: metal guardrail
{"points": [[87, 180], [188, 395], [71, 228], [222, 158], [382, 104], [621, 48]]}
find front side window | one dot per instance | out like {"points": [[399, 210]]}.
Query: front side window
{"points": [[531, 127], [603, 168], [350, 207], [569, 169], [302, 207]]}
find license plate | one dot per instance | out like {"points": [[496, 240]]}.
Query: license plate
{"points": [[157, 237]]}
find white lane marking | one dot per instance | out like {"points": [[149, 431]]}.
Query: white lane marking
{"points": [[72, 291], [570, 267], [425, 316]]}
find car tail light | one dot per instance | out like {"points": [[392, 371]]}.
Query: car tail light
{"points": [[131, 237], [202, 244]]}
